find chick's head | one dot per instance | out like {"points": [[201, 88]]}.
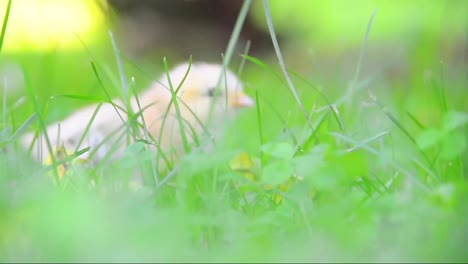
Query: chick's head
{"points": [[199, 91], [199, 97]]}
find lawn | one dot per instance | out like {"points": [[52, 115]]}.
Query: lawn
{"points": [[360, 169]]}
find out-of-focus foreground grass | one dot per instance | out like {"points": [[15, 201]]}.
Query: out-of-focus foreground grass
{"points": [[379, 175]]}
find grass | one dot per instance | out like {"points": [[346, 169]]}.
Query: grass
{"points": [[380, 178]]}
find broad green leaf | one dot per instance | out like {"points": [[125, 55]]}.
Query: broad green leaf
{"points": [[429, 138], [308, 164], [277, 172], [453, 145], [281, 150]]}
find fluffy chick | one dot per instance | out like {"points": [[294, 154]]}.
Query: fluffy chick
{"points": [[195, 96]]}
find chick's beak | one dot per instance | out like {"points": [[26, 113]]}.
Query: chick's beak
{"points": [[240, 99]]}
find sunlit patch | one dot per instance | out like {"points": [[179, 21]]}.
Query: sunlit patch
{"points": [[50, 24]]}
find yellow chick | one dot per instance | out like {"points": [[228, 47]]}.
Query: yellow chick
{"points": [[108, 130]]}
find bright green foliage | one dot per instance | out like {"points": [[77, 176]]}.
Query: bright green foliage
{"points": [[377, 175]]}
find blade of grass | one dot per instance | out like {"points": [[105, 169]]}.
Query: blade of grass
{"points": [[124, 83], [96, 73], [166, 179], [415, 120], [236, 32], [193, 133], [402, 128], [291, 86], [18, 103], [283, 121], [312, 135], [352, 87], [112, 136], [176, 105], [226, 59], [226, 100], [68, 158], [88, 98], [260, 124], [4, 102], [23, 127], [429, 171], [146, 133], [42, 126], [120, 67], [367, 141], [371, 150], [168, 107], [265, 66], [333, 108], [442, 99], [197, 119], [259, 119], [77, 97], [242, 63], [88, 126], [94, 67], [5, 23]]}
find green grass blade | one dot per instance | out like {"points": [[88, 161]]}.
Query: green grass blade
{"points": [[146, 133], [332, 107], [233, 40], [259, 119], [77, 97], [260, 125], [265, 66], [109, 98], [120, 67], [281, 61], [313, 134], [283, 121], [167, 110], [42, 125], [22, 129], [242, 63], [362, 53], [5, 23], [415, 120], [369, 140], [443, 97], [236, 32], [175, 101], [397, 123], [68, 158], [88, 126], [373, 151]]}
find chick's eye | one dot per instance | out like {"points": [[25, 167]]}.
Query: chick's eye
{"points": [[211, 92]]}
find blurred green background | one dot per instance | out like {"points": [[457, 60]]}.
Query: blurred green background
{"points": [[414, 62]]}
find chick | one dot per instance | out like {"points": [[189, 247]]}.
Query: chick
{"points": [[158, 119]]}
